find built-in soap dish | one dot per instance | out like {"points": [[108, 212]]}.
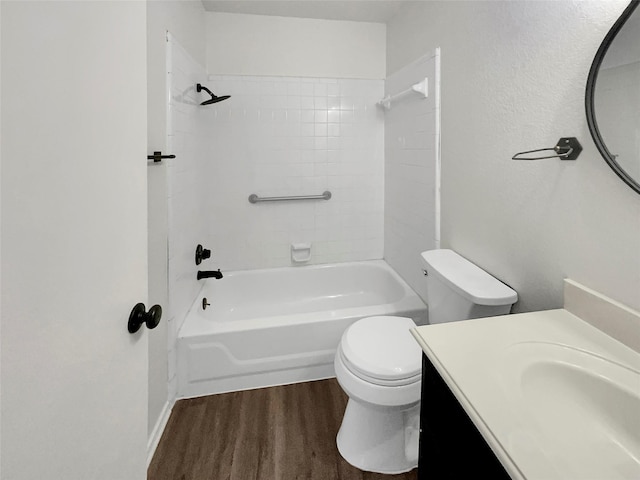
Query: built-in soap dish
{"points": [[300, 252]]}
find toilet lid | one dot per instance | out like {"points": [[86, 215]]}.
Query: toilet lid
{"points": [[383, 348]]}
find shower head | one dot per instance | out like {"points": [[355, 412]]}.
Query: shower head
{"points": [[214, 98]]}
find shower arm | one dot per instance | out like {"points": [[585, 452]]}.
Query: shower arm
{"points": [[200, 87]]}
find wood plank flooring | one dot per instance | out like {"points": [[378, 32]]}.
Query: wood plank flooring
{"points": [[277, 433]]}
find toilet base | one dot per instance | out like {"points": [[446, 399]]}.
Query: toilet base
{"points": [[380, 439]]}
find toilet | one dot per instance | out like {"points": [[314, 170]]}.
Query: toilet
{"points": [[379, 364]]}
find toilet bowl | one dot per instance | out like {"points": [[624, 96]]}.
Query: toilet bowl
{"points": [[378, 365]]}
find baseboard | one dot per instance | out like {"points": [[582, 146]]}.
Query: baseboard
{"points": [[154, 438]]}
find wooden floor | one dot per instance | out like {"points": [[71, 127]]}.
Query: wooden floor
{"points": [[277, 433]]}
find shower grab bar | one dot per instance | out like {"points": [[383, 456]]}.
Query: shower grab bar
{"points": [[253, 198]]}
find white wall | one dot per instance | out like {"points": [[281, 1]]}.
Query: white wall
{"points": [[410, 182], [513, 79], [241, 44], [185, 20], [279, 136]]}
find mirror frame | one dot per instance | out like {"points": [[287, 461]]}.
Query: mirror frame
{"points": [[590, 93]]}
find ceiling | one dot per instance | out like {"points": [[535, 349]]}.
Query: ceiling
{"points": [[377, 11]]}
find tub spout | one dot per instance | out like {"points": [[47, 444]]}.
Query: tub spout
{"points": [[215, 274]]}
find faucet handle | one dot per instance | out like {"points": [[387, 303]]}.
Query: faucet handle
{"points": [[202, 254]]}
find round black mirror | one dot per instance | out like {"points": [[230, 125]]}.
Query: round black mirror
{"points": [[613, 97]]}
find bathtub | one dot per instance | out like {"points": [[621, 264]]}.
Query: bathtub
{"points": [[282, 325]]}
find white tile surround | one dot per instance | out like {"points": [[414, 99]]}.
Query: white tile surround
{"points": [[411, 221], [187, 140], [281, 136]]}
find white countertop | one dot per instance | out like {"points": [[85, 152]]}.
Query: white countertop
{"points": [[516, 376]]}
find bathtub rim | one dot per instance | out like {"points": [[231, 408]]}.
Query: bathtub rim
{"points": [[196, 324]]}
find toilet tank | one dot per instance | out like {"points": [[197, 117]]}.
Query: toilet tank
{"points": [[459, 290]]}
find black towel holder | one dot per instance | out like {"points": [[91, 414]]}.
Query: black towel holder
{"points": [[567, 148]]}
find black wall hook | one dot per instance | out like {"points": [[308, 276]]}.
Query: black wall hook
{"points": [[158, 156]]}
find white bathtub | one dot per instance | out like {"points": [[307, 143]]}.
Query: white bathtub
{"points": [[278, 326]]}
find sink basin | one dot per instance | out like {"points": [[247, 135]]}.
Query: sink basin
{"points": [[577, 403]]}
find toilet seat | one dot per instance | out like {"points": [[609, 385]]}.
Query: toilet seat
{"points": [[399, 382], [378, 396], [382, 351]]}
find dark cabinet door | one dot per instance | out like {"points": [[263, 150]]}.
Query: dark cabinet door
{"points": [[451, 447]]}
